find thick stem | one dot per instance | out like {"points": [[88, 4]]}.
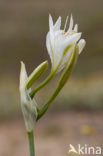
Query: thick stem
{"points": [[31, 143]]}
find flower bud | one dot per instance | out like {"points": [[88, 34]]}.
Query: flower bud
{"points": [[68, 69], [28, 105], [39, 71]]}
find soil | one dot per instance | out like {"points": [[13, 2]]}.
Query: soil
{"points": [[53, 134]]}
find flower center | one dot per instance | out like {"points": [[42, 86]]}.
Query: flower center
{"points": [[69, 33]]}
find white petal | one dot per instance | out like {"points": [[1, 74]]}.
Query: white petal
{"points": [[81, 45], [50, 22], [71, 24], [54, 46], [66, 58], [23, 76], [48, 44], [58, 47], [65, 23], [72, 39], [57, 24], [76, 28]]}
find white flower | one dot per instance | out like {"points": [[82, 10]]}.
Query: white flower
{"points": [[60, 43], [28, 105]]}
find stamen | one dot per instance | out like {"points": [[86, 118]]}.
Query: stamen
{"points": [[69, 33], [66, 23]]}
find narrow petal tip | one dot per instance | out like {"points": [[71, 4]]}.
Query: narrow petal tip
{"points": [[66, 22], [71, 23], [23, 75], [22, 63], [50, 22], [76, 28], [57, 25], [81, 45]]}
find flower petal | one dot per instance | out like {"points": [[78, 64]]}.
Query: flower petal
{"points": [[23, 76], [48, 46], [66, 23], [72, 39], [76, 28], [57, 25], [71, 24], [50, 22], [66, 58], [81, 45]]}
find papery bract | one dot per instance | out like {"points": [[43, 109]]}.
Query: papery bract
{"points": [[28, 105]]}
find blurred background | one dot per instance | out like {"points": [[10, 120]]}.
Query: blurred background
{"points": [[76, 114]]}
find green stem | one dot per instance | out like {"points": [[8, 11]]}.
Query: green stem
{"points": [[52, 73], [42, 84], [63, 80], [46, 105], [31, 143]]}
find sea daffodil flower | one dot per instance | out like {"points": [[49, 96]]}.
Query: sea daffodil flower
{"points": [[60, 42], [60, 46]]}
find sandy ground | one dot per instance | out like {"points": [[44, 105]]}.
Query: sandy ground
{"points": [[53, 134]]}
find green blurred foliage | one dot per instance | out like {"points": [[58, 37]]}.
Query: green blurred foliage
{"points": [[24, 24], [79, 94], [23, 29]]}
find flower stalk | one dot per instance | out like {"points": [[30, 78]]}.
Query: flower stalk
{"points": [[61, 83], [31, 143], [33, 92]]}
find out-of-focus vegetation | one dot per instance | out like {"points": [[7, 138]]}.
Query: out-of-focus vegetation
{"points": [[78, 94], [23, 28]]}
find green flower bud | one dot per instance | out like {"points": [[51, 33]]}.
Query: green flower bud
{"points": [[69, 66], [39, 71]]}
